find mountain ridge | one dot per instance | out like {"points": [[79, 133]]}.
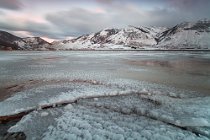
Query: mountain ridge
{"points": [[186, 35]]}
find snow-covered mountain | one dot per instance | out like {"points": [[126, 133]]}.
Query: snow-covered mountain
{"points": [[12, 42], [187, 35], [126, 38]]}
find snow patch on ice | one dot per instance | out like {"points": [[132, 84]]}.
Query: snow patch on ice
{"points": [[44, 114], [68, 107]]}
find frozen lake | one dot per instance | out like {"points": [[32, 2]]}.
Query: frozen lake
{"points": [[107, 94], [185, 70]]}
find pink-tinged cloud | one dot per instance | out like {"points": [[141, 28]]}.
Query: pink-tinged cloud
{"points": [[99, 10], [50, 40]]}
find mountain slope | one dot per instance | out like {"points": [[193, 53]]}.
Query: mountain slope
{"points": [[12, 42], [7, 41], [34, 43], [187, 35], [127, 38]]}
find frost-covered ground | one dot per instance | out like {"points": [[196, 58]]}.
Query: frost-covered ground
{"points": [[107, 95]]}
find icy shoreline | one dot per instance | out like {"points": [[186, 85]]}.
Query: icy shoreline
{"points": [[105, 95], [173, 109]]}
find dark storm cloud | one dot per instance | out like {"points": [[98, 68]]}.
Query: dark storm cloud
{"points": [[11, 4]]}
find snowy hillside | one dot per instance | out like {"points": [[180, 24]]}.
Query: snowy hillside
{"points": [[126, 38], [187, 35], [35, 43]]}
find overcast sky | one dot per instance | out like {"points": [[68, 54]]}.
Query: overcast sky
{"points": [[60, 19]]}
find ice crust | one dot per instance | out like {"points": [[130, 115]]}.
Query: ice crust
{"points": [[88, 122], [173, 113]]}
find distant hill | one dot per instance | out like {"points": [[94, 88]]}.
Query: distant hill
{"points": [[12, 42]]}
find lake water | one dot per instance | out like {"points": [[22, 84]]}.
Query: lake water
{"points": [[106, 94], [186, 70]]}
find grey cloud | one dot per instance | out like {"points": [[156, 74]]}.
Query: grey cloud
{"points": [[190, 4], [106, 1], [164, 12], [11, 4], [164, 17], [194, 8], [197, 7], [35, 29], [78, 21], [1, 13], [138, 17], [118, 13]]}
